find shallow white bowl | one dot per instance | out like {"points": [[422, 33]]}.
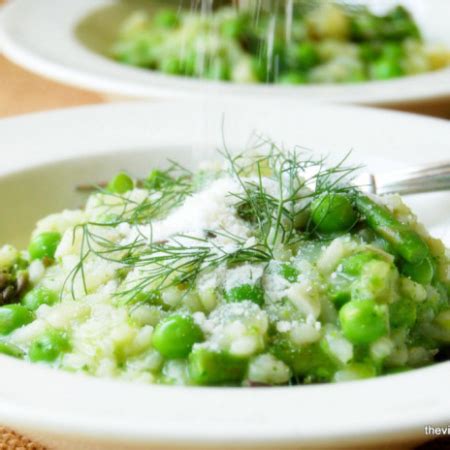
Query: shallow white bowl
{"points": [[46, 155], [40, 35]]}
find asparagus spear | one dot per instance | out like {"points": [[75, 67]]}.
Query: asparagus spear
{"points": [[405, 241]]}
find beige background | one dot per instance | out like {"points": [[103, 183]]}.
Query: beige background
{"points": [[22, 92]]}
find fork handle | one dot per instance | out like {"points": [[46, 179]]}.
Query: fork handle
{"points": [[428, 178]]}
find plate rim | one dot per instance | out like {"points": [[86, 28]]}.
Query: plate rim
{"points": [[16, 408], [135, 82]]}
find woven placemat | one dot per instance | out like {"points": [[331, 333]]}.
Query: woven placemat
{"points": [[10, 440]]}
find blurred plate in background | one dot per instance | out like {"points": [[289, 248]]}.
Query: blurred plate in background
{"points": [[67, 40]]}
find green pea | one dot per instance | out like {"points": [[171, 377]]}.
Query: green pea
{"points": [[369, 52], [39, 296], [13, 317], [403, 313], [244, 292], [49, 347], [234, 27], [121, 183], [306, 56], [354, 264], [422, 272], [166, 18], [289, 272], [386, 68], [189, 64], [392, 51], [171, 65], [309, 360], [44, 245], [293, 78], [218, 69], [175, 336], [157, 179], [363, 321], [207, 367], [333, 213], [6, 348], [138, 51], [260, 71]]}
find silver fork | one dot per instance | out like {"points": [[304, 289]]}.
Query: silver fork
{"points": [[426, 178]]}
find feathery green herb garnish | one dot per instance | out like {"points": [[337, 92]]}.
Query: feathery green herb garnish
{"points": [[276, 188]]}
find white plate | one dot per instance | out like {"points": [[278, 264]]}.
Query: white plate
{"points": [[39, 34], [47, 154]]}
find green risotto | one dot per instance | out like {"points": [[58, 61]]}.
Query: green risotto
{"points": [[329, 44], [267, 269]]}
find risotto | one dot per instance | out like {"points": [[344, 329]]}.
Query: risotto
{"points": [[329, 44], [268, 269]]}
